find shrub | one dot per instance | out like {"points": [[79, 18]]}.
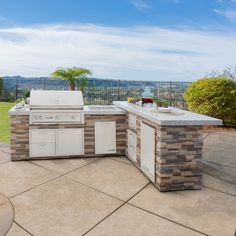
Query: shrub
{"points": [[213, 97]]}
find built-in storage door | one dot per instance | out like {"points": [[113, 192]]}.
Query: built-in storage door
{"points": [[42, 142], [105, 137], [132, 121], [70, 142], [148, 150], [132, 143]]}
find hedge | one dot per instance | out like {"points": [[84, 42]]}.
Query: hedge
{"points": [[214, 97]]}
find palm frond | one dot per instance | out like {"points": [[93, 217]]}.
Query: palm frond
{"points": [[73, 74], [59, 73]]}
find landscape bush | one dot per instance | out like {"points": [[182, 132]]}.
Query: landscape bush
{"points": [[214, 97]]}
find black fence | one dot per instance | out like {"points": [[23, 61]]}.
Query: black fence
{"points": [[100, 91]]}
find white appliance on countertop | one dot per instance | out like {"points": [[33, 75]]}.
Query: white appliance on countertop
{"points": [[52, 106]]}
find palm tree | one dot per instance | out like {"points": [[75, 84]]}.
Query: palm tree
{"points": [[72, 75]]}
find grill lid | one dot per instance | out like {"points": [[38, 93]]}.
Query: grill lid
{"points": [[56, 99]]}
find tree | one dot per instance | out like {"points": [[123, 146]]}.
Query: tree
{"points": [[82, 83], [1, 87], [72, 75], [229, 72], [213, 97]]}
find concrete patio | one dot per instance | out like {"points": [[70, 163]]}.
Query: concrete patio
{"points": [[109, 196]]}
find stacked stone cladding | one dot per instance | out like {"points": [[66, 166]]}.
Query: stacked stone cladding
{"points": [[178, 157], [20, 134], [178, 153], [19, 142]]}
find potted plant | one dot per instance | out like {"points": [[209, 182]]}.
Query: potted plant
{"points": [[163, 106], [158, 102]]}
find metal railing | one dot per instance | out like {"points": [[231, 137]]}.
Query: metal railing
{"points": [[100, 91]]}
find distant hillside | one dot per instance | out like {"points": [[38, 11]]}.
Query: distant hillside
{"points": [[46, 83]]}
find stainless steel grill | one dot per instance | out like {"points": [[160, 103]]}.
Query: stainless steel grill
{"points": [[53, 106]]}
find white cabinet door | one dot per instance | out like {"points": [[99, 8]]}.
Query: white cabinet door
{"points": [[42, 142], [105, 137], [148, 151], [132, 121], [70, 142], [132, 143]]}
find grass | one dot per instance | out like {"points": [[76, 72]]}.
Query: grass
{"points": [[4, 122]]}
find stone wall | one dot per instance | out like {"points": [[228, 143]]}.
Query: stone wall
{"points": [[178, 157], [20, 134], [19, 127]]}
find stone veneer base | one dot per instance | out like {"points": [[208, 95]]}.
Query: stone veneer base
{"points": [[20, 135], [178, 156]]}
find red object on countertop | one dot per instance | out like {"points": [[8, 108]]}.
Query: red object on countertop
{"points": [[147, 100]]}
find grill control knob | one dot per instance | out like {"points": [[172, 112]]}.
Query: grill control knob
{"points": [[72, 117], [56, 117], [35, 117], [40, 117]]}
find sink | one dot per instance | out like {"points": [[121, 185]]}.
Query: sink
{"points": [[102, 108]]}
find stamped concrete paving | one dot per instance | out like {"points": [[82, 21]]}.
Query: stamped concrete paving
{"points": [[220, 147], [17, 231], [208, 211], [112, 177], [75, 197], [17, 177], [64, 166], [219, 155], [130, 220], [6, 214], [62, 207]]}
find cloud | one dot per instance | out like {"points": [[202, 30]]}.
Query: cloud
{"points": [[230, 14], [5, 22], [140, 5], [142, 53]]}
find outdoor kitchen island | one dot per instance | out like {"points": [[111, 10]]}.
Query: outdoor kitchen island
{"points": [[166, 147], [102, 133], [56, 124]]}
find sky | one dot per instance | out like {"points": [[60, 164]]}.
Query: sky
{"points": [[164, 40]]}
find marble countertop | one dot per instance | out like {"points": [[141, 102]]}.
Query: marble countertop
{"points": [[19, 111], [176, 117]]}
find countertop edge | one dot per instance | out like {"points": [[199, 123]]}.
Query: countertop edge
{"points": [[26, 111], [209, 121], [23, 111]]}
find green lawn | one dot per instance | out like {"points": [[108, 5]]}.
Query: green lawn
{"points": [[4, 121]]}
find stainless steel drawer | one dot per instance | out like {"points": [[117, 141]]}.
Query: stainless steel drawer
{"points": [[42, 149], [42, 136]]}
